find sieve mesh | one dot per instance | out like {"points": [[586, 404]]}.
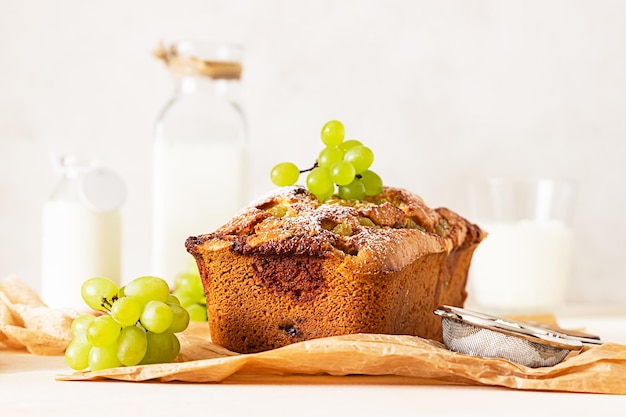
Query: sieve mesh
{"points": [[472, 340]]}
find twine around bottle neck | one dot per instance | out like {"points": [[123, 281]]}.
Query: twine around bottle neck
{"points": [[191, 66]]}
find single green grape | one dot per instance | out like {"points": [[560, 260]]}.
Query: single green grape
{"points": [[99, 293], [180, 319], [326, 195], [156, 316], [342, 173], [175, 346], [201, 299], [185, 299], [349, 144], [318, 181], [189, 283], [284, 174], [172, 299], [132, 345], [353, 191], [103, 331], [197, 312], [329, 156], [77, 354], [359, 156], [372, 182], [103, 357], [332, 133], [162, 348], [80, 324], [126, 310], [148, 287]]}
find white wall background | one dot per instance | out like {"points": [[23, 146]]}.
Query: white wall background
{"points": [[440, 90]]}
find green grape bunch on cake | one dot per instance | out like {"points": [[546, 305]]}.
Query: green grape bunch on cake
{"points": [[342, 167]]}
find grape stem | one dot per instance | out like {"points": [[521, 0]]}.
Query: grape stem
{"points": [[108, 304], [315, 165]]}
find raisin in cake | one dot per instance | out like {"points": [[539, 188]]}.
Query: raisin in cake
{"points": [[289, 268]]}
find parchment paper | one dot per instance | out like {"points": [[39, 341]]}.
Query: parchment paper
{"points": [[598, 369], [26, 323]]}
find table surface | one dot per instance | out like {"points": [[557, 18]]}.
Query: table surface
{"points": [[28, 387]]}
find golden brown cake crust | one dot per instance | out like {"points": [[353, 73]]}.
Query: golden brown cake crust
{"points": [[289, 268]]}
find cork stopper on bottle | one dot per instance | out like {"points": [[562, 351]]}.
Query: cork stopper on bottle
{"points": [[190, 65]]}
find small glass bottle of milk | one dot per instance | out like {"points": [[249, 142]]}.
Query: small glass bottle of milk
{"points": [[199, 156], [81, 231]]}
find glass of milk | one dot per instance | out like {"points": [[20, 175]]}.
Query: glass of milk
{"points": [[524, 263]]}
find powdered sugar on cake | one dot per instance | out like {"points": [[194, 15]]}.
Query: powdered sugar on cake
{"points": [[390, 229]]}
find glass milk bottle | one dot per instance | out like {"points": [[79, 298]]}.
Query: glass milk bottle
{"points": [[199, 155], [81, 234]]}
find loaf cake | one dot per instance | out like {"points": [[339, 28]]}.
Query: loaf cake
{"points": [[289, 268]]}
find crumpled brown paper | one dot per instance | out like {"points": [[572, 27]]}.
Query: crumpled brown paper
{"points": [[27, 323], [596, 370]]}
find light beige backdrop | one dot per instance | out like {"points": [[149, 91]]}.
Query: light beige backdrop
{"points": [[441, 90]]}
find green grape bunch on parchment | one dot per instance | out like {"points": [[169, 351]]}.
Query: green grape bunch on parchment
{"points": [[139, 325]]}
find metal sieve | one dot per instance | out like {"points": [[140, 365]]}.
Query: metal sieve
{"points": [[480, 334]]}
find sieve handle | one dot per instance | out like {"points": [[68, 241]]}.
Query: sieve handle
{"points": [[587, 341], [526, 330]]}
